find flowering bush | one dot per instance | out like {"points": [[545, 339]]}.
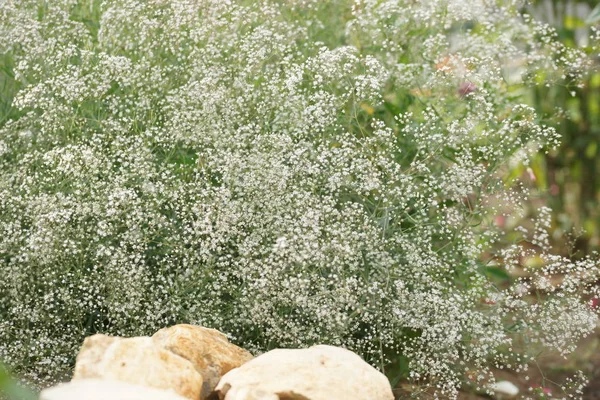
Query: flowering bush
{"points": [[287, 172]]}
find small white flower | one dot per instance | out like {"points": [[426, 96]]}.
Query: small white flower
{"points": [[280, 243]]}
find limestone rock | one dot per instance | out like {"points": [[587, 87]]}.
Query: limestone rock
{"points": [[318, 373], [96, 389], [138, 361], [207, 349], [91, 354]]}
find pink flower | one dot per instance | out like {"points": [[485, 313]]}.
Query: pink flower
{"points": [[544, 390], [531, 174], [500, 220], [465, 88]]}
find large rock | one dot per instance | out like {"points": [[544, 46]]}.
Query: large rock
{"points": [[95, 389], [207, 349], [138, 361], [317, 373], [91, 355]]}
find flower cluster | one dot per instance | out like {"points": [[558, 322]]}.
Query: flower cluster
{"points": [[290, 173]]}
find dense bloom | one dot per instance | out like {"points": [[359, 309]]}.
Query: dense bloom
{"points": [[290, 173]]}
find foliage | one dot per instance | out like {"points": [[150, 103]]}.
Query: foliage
{"points": [[11, 390], [287, 172], [567, 177]]}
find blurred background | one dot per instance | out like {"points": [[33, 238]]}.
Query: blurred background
{"points": [[567, 179]]}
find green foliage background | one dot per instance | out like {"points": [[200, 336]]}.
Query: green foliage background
{"points": [[568, 178]]}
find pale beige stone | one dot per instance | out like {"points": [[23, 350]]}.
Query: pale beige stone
{"points": [[207, 349], [318, 373], [138, 361], [91, 354], [96, 389], [505, 389]]}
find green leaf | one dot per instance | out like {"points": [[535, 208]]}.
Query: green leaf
{"points": [[400, 370], [514, 174], [497, 273], [591, 149], [572, 22], [11, 390], [534, 262], [538, 167], [594, 16]]}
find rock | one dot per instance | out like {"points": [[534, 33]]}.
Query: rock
{"points": [[138, 361], [96, 389], [207, 349], [91, 354], [318, 373], [505, 388]]}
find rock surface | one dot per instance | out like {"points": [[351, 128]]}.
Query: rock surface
{"points": [[96, 389], [506, 388], [317, 373], [207, 349], [91, 354], [137, 361]]}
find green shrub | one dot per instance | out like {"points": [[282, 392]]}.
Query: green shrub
{"points": [[290, 173]]}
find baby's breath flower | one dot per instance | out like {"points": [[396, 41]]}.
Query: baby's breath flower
{"points": [[287, 172]]}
